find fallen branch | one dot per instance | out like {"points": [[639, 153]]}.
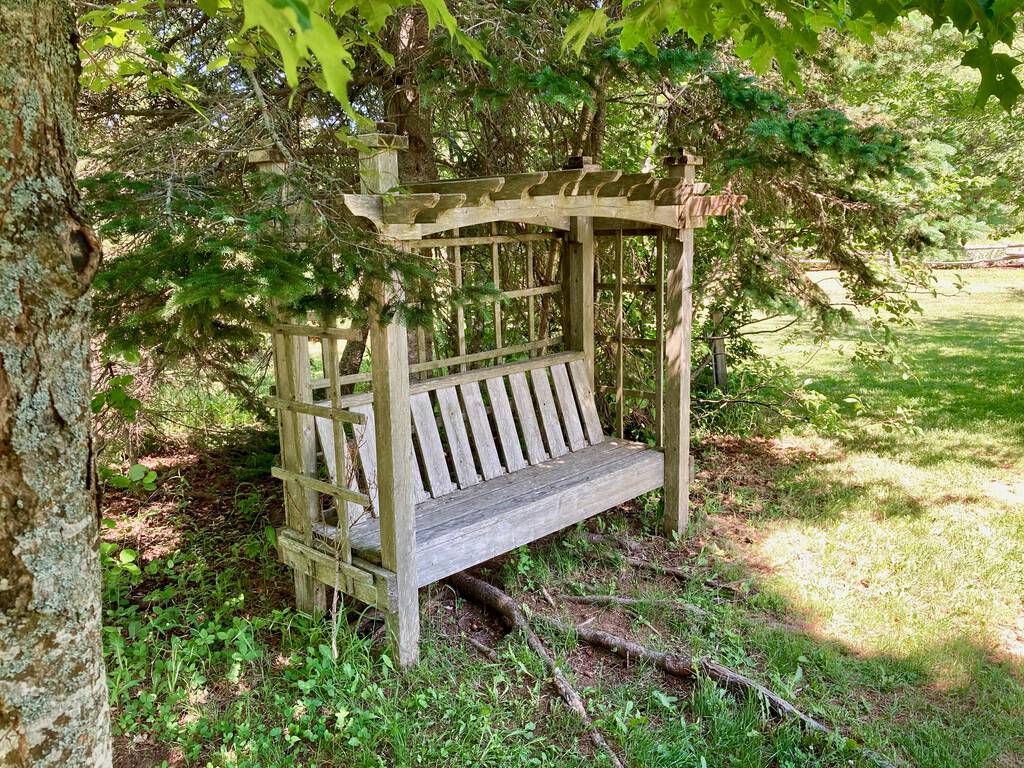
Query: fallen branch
{"points": [[629, 601], [627, 545], [484, 649], [683, 666], [682, 575], [486, 594]]}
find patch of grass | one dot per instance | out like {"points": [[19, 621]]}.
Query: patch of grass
{"points": [[908, 548]]}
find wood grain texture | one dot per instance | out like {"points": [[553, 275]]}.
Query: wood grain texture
{"points": [[505, 423], [527, 416], [568, 408], [366, 444], [480, 428], [676, 438], [435, 465], [585, 397], [473, 525], [548, 413], [458, 438]]}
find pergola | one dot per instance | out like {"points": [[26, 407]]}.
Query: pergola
{"points": [[445, 462]]}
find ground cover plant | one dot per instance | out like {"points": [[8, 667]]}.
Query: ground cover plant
{"points": [[873, 578]]}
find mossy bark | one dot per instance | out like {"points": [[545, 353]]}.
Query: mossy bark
{"points": [[53, 693]]}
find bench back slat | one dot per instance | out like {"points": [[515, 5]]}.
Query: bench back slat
{"points": [[326, 435], [480, 427], [431, 450], [366, 442], [506, 425], [458, 438], [464, 433], [585, 397], [567, 407], [527, 418], [548, 415]]}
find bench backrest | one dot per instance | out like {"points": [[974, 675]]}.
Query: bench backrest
{"points": [[474, 426]]}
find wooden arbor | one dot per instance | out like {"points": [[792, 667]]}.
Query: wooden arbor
{"points": [[445, 462]]}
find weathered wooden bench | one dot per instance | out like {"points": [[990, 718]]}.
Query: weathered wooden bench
{"points": [[503, 456]]}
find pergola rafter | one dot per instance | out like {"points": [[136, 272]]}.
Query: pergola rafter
{"points": [[613, 199]]}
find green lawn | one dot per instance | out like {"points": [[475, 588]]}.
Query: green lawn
{"points": [[908, 549], [876, 581]]}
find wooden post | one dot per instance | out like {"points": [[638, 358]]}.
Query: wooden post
{"points": [[389, 351], [296, 432], [620, 405], [378, 159], [678, 333], [578, 317], [718, 358], [578, 282], [389, 347]]}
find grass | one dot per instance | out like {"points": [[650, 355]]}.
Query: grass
{"points": [[908, 548], [875, 580]]}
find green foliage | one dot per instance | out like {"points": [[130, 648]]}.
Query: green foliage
{"points": [[139, 478], [964, 159], [782, 32], [115, 398], [319, 38]]}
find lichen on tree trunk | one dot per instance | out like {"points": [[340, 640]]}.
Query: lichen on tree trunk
{"points": [[53, 693]]}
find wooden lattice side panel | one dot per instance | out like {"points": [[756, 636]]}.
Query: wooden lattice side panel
{"points": [[629, 318], [318, 489]]}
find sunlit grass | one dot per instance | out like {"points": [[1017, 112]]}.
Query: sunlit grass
{"points": [[911, 546]]}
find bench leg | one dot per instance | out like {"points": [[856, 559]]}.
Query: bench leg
{"points": [[403, 626], [310, 595]]}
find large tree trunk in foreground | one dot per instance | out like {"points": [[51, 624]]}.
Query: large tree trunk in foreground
{"points": [[53, 693]]}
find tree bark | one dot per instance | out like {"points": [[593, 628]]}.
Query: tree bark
{"points": [[404, 106], [53, 692]]}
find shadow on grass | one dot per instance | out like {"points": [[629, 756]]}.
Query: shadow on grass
{"points": [[968, 376], [957, 701]]}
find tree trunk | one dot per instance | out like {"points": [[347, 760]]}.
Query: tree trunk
{"points": [[404, 106], [53, 692]]}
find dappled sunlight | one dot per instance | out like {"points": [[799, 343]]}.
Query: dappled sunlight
{"points": [[907, 547]]}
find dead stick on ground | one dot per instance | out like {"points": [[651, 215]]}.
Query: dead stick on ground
{"points": [[486, 594], [696, 610], [485, 649], [682, 575], [686, 666]]}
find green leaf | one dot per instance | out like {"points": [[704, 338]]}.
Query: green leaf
{"points": [[137, 472], [587, 24], [128, 556], [219, 63]]}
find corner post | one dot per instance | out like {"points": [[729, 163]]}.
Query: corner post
{"points": [[295, 430], [578, 285], [389, 349], [678, 339]]}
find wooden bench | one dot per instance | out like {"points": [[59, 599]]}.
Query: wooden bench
{"points": [[503, 456]]}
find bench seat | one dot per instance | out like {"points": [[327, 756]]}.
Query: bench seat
{"points": [[475, 524], [500, 457]]}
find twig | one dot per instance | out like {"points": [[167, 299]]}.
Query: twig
{"points": [[630, 601], [547, 597], [485, 649], [486, 594], [686, 666], [680, 574]]}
